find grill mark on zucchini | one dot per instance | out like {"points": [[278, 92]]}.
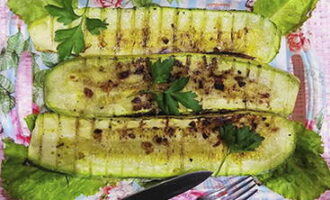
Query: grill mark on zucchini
{"points": [[174, 26], [118, 31], [75, 144], [146, 31], [133, 32], [102, 42]]}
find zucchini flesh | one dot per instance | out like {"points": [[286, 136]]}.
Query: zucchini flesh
{"points": [[109, 86], [156, 147], [159, 29]]}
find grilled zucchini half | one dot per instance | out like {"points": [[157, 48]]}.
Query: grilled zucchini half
{"points": [[154, 30], [156, 147], [110, 86]]}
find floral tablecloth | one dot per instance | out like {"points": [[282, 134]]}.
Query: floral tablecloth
{"points": [[297, 56]]}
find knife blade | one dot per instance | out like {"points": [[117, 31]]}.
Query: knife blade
{"points": [[172, 187]]}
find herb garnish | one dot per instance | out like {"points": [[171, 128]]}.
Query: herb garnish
{"points": [[238, 140], [72, 39], [30, 121], [168, 100]]}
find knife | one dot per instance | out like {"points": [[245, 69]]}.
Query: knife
{"points": [[172, 187]]}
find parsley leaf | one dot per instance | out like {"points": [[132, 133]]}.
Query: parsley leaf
{"points": [[187, 99], [65, 13], [238, 140], [71, 39], [30, 121], [172, 105], [161, 70], [169, 100], [160, 99], [178, 84], [95, 26]]}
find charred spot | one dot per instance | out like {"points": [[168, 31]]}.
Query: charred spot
{"points": [[160, 140], [275, 129], [169, 131], [240, 81], [147, 147], [157, 139], [190, 159], [219, 85], [192, 124], [259, 66], [265, 95], [200, 84], [267, 124], [197, 72], [178, 63], [124, 74], [131, 135], [216, 50], [239, 72], [263, 118], [218, 142], [206, 122], [205, 135], [60, 145], [88, 92], [254, 125], [101, 107], [98, 131], [139, 70], [107, 86], [165, 40], [172, 25], [136, 100], [218, 122]]}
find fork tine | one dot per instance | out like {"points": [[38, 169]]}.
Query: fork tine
{"points": [[238, 181], [216, 192], [250, 195], [242, 192], [240, 185]]}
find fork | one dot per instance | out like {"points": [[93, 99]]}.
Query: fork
{"points": [[241, 189]]}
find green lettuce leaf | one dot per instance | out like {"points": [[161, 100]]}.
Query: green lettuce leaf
{"points": [[24, 181], [288, 15], [304, 176], [30, 10]]}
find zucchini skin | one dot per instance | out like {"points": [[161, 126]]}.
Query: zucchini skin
{"points": [[154, 30], [156, 147], [109, 86]]}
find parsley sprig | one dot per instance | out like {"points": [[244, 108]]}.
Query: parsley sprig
{"points": [[71, 40], [169, 100], [238, 140]]}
